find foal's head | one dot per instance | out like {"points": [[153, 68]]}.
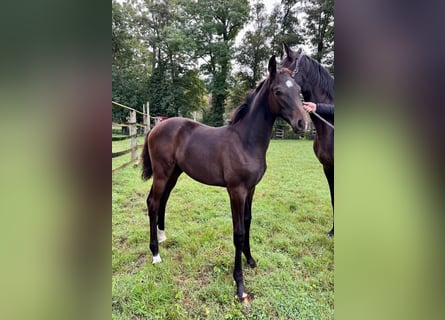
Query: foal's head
{"points": [[284, 97]]}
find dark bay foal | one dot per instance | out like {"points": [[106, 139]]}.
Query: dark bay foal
{"points": [[232, 156]]}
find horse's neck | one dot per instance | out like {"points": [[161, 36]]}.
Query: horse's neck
{"points": [[313, 91], [317, 95], [256, 127]]}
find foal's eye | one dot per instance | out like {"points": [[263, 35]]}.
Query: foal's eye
{"points": [[278, 93]]}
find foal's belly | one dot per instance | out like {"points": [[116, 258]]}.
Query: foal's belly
{"points": [[202, 167], [213, 168]]}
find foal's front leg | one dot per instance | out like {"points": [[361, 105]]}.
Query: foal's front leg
{"points": [[237, 203], [247, 219]]}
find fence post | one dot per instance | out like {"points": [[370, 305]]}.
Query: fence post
{"points": [[147, 118], [133, 133]]}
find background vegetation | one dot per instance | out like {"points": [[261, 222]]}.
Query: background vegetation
{"points": [[204, 55]]}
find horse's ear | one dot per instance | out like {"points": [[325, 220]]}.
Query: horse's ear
{"points": [[286, 49], [272, 66], [289, 52]]}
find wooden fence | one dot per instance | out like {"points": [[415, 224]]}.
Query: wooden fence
{"points": [[132, 133]]}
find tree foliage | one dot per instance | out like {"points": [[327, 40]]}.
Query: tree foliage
{"points": [[180, 54], [254, 49], [320, 29], [129, 72], [213, 26]]}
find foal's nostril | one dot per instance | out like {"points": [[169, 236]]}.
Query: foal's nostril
{"points": [[300, 124]]}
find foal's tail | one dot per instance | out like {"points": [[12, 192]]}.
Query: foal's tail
{"points": [[147, 170]]}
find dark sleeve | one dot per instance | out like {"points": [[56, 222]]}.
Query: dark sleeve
{"points": [[324, 109]]}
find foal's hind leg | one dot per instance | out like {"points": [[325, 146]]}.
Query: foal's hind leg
{"points": [[160, 182], [153, 201], [163, 203], [329, 172], [247, 219]]}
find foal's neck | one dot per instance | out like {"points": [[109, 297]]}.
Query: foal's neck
{"points": [[256, 127]]}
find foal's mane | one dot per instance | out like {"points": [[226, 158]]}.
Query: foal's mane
{"points": [[242, 110], [318, 76]]}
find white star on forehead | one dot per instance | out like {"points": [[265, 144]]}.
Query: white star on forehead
{"points": [[289, 83]]}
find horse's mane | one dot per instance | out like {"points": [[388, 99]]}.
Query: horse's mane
{"points": [[318, 76], [242, 110]]}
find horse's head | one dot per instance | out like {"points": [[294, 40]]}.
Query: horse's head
{"points": [[293, 61], [284, 97], [316, 84]]}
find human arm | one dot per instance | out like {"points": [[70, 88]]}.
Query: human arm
{"points": [[325, 109]]}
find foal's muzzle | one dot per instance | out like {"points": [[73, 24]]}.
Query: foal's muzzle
{"points": [[299, 126]]}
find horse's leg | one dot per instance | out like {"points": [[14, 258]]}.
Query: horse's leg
{"points": [[153, 206], [153, 203], [247, 219], [329, 173], [237, 202], [163, 203]]}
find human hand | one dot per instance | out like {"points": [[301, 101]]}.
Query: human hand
{"points": [[309, 106]]}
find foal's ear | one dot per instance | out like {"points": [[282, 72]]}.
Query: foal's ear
{"points": [[272, 66], [299, 51]]}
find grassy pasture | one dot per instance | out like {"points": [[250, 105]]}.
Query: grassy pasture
{"points": [[295, 259]]}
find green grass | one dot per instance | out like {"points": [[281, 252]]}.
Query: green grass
{"points": [[291, 217]]}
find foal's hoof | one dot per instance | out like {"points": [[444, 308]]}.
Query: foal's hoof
{"points": [[244, 298], [331, 233], [157, 259], [251, 262]]}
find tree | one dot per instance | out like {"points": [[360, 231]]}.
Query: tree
{"points": [[320, 29], [129, 69], [253, 52], [213, 25], [284, 25], [238, 92], [159, 26]]}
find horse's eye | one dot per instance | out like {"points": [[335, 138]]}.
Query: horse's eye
{"points": [[278, 93]]}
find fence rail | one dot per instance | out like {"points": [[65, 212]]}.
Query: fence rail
{"points": [[121, 153], [125, 137], [132, 136]]}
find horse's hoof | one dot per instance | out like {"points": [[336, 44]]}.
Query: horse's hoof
{"points": [[251, 262], [157, 259], [161, 235], [331, 234], [244, 298]]}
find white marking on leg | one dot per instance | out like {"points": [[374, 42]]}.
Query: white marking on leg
{"points": [[161, 235], [157, 259]]}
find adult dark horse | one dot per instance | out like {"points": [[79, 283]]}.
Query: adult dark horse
{"points": [[317, 85], [232, 156]]}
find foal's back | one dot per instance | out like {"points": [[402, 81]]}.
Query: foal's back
{"points": [[210, 155]]}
